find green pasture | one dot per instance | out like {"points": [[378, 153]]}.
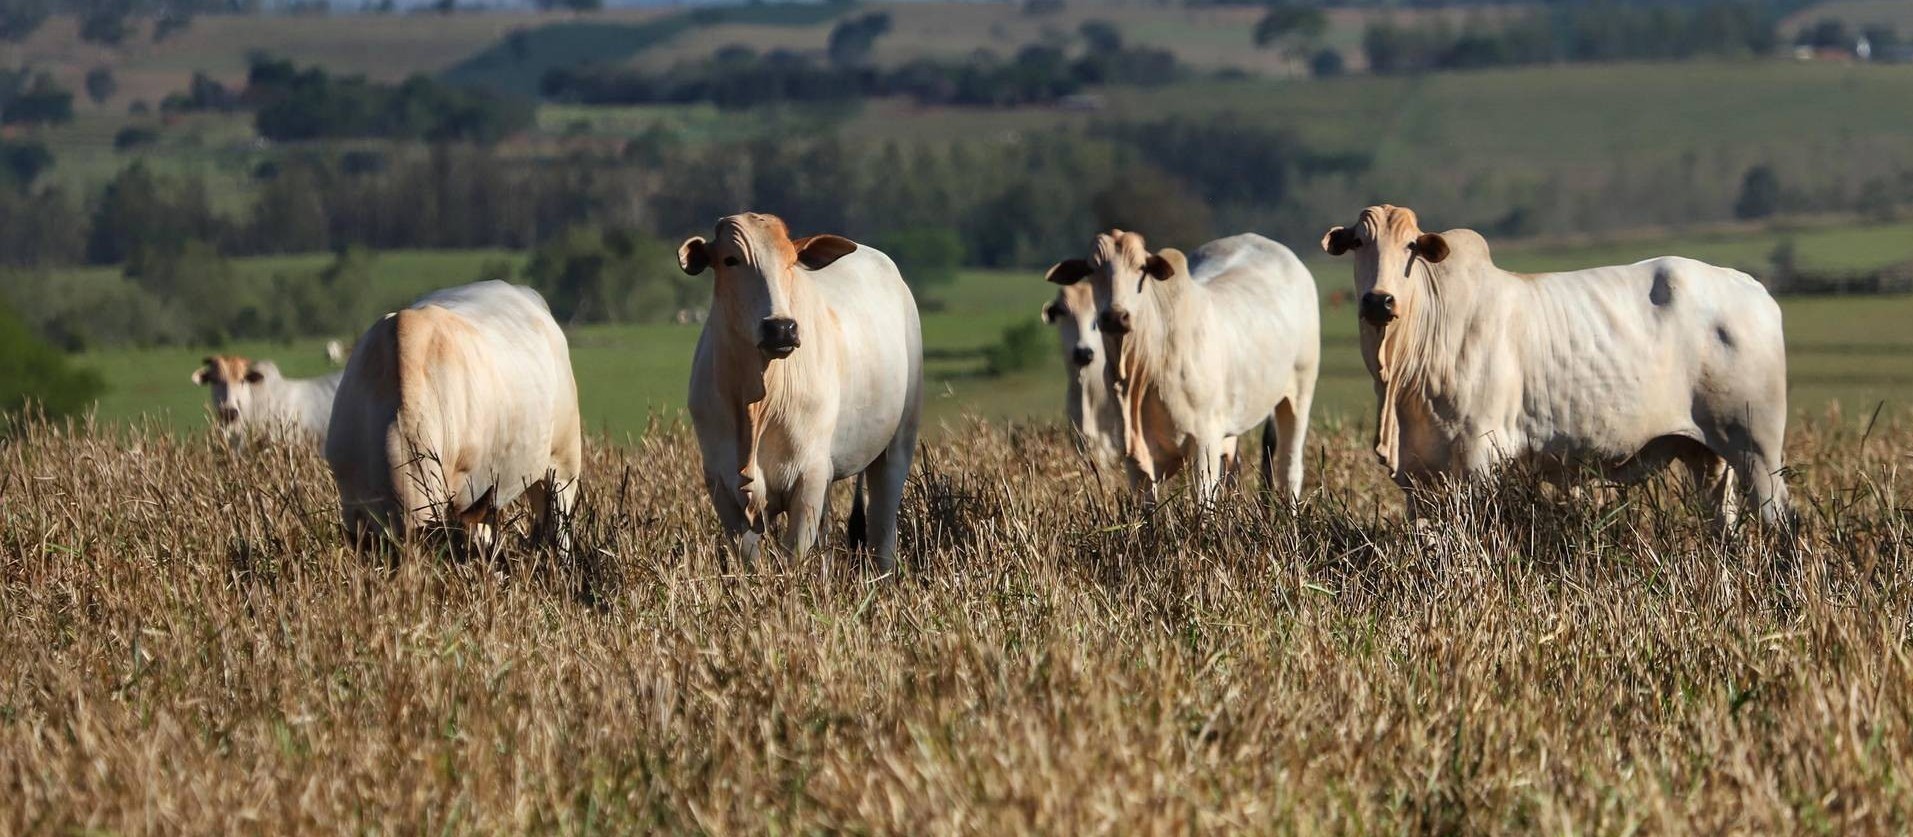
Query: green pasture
{"points": [[1855, 350]]}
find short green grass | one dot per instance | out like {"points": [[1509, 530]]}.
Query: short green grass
{"points": [[1855, 350]]}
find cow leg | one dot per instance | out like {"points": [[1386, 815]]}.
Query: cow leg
{"points": [[1714, 485], [1755, 455], [885, 480], [1210, 462], [552, 500], [1292, 431], [804, 511], [742, 537], [1759, 474], [1412, 505]]}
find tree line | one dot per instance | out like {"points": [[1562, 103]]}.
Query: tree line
{"points": [[741, 77], [1576, 32]]}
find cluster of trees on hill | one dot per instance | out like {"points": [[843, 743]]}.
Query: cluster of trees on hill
{"points": [[111, 22], [1576, 32], [737, 77], [292, 104]]}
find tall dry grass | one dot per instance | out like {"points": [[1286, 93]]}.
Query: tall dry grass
{"points": [[188, 648]]}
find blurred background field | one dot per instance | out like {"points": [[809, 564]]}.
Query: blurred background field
{"points": [[1854, 349]]}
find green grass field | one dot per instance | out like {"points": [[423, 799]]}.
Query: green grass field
{"points": [[1855, 350]]}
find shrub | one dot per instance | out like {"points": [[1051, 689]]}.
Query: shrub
{"points": [[33, 372], [589, 274], [1025, 345], [927, 256], [100, 84], [134, 136]]}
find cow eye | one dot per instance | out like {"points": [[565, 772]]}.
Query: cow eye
{"points": [[730, 261]]}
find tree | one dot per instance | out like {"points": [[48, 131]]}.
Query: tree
{"points": [[1327, 64], [1290, 28], [171, 22], [852, 40], [928, 257], [33, 372], [1153, 203], [1101, 36], [40, 101], [19, 19], [1759, 194], [23, 161], [100, 84], [105, 23]]}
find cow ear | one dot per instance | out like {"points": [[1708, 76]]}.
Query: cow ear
{"points": [[1067, 272], [818, 251], [1166, 263], [693, 256], [1339, 240], [1431, 247], [202, 375]]}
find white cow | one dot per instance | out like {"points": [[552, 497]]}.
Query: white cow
{"points": [[1087, 400], [453, 407], [250, 397], [1621, 368], [1205, 348], [809, 370]]}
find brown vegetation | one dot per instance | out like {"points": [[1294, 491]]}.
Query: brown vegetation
{"points": [[186, 647]]}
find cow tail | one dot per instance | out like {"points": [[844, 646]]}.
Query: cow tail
{"points": [[412, 442], [1268, 454], [858, 533]]}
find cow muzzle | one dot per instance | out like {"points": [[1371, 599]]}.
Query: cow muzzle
{"points": [[228, 415], [1082, 356], [777, 337], [1378, 308], [1114, 321]]}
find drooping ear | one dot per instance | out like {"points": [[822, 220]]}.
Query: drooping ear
{"points": [[1165, 263], [1431, 247], [1049, 312], [693, 257], [203, 375], [818, 251], [1067, 272], [1339, 240]]}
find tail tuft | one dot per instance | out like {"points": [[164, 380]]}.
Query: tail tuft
{"points": [[858, 534], [1268, 455]]}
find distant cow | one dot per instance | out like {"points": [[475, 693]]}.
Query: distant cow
{"points": [[250, 397], [1087, 399], [453, 407], [1622, 368], [1205, 348], [809, 370]]}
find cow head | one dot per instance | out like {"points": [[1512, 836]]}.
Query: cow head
{"points": [[1119, 271], [235, 383], [1073, 312], [1387, 242], [758, 265]]}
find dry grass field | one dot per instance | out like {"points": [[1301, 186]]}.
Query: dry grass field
{"points": [[188, 648]]}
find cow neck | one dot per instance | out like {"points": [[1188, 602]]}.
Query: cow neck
{"points": [[1418, 356], [767, 392], [1139, 363]]}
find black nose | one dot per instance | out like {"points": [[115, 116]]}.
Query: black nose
{"points": [[228, 415], [1083, 355], [1378, 308], [778, 335], [1114, 321]]}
